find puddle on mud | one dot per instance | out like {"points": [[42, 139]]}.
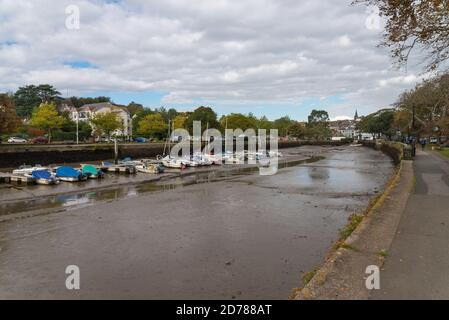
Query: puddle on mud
{"points": [[87, 198]]}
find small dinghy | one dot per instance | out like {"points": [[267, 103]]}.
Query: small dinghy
{"points": [[91, 171], [146, 167], [43, 177], [26, 169], [118, 168], [175, 163], [69, 174]]}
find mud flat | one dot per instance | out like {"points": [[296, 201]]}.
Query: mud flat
{"points": [[206, 236]]}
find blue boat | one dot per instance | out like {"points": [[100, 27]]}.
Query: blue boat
{"points": [[70, 174], [44, 177]]}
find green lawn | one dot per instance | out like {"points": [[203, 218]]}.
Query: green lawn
{"points": [[445, 152]]}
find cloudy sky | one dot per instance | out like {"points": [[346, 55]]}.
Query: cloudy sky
{"points": [[269, 57]]}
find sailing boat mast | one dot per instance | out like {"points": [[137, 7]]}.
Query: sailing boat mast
{"points": [[168, 139]]}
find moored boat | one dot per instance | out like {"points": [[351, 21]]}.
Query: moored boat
{"points": [[69, 174], [44, 176], [27, 169], [91, 171]]}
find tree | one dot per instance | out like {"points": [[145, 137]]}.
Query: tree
{"points": [[46, 117], [318, 117], [264, 123], [318, 125], [153, 125], [134, 108], [415, 23], [238, 121], [105, 123], [378, 123], [179, 121], [140, 115], [282, 125], [426, 106], [81, 101], [207, 117], [8, 117], [29, 97], [296, 130]]}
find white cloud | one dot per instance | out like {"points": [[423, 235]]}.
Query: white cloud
{"points": [[219, 52]]}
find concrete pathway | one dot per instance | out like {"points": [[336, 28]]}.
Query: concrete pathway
{"points": [[417, 266]]}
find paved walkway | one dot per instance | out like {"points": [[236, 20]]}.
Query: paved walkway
{"points": [[417, 266]]}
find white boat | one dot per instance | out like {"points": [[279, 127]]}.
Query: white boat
{"points": [[213, 158], [176, 163], [202, 160], [146, 167], [130, 168], [26, 169], [190, 162]]}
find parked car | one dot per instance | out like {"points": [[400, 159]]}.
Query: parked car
{"points": [[40, 140], [433, 140], [16, 140], [141, 140]]}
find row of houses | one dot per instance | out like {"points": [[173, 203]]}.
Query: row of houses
{"points": [[87, 111], [339, 128], [346, 128]]}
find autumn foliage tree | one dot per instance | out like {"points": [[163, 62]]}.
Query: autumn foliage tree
{"points": [[8, 118], [105, 123], [414, 24], [46, 117], [153, 125]]}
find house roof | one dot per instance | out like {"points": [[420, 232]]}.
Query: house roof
{"points": [[100, 105]]}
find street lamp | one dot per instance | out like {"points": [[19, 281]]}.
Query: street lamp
{"points": [[77, 130]]}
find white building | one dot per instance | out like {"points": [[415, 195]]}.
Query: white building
{"points": [[86, 112]]}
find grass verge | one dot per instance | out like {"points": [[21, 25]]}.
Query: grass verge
{"points": [[444, 152]]}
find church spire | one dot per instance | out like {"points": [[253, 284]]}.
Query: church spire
{"points": [[356, 115]]}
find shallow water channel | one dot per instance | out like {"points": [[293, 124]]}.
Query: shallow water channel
{"points": [[232, 235]]}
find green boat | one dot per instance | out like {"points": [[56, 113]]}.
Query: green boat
{"points": [[91, 171]]}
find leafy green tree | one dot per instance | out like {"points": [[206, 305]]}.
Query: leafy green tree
{"points": [[153, 125], [282, 125], [264, 123], [46, 117], [238, 121], [29, 97], [379, 123], [134, 108], [296, 130], [81, 101], [206, 115], [318, 125], [179, 121], [105, 123], [318, 117], [140, 115]]}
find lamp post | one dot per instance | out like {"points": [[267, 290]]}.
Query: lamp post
{"points": [[77, 130]]}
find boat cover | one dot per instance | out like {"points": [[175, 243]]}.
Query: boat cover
{"points": [[41, 174], [90, 169], [68, 172]]}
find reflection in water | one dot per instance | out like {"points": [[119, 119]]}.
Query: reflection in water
{"points": [[319, 173]]}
